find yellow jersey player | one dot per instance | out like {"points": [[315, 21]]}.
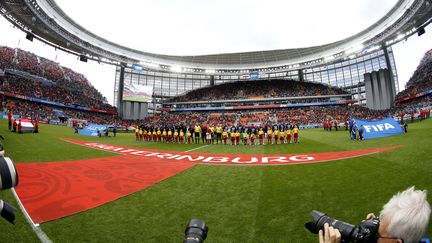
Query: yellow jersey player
{"points": [[282, 137], [225, 137], [176, 136], [289, 134], [188, 135], [197, 130], [261, 136], [181, 136], [154, 135], [276, 136], [269, 136], [144, 134], [159, 134], [169, 136], [252, 139], [140, 134], [218, 134], [296, 133], [237, 138], [245, 138], [164, 136]]}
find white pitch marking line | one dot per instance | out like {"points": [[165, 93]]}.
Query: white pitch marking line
{"points": [[36, 228], [196, 148]]}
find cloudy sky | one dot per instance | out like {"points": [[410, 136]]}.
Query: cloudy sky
{"points": [[194, 27]]}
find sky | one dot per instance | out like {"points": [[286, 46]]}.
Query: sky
{"points": [[194, 27]]}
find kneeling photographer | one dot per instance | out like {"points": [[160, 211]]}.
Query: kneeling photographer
{"points": [[403, 219]]}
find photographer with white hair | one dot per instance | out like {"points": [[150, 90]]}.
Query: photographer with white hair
{"points": [[403, 219]]}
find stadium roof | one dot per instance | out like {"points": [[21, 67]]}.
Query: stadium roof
{"points": [[47, 22]]}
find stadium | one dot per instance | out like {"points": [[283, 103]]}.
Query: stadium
{"points": [[249, 142]]}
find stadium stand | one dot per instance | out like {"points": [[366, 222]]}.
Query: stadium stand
{"points": [[36, 86], [53, 114], [300, 116], [257, 90], [50, 91], [35, 66], [420, 81]]}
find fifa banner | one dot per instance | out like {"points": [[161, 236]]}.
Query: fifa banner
{"points": [[137, 93], [379, 128], [91, 130]]}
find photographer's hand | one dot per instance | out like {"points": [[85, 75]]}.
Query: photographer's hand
{"points": [[331, 235], [370, 216]]}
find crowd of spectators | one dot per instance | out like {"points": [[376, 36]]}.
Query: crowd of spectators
{"points": [[6, 57], [300, 116], [50, 91], [43, 112], [75, 83], [421, 80], [27, 62], [258, 89]]}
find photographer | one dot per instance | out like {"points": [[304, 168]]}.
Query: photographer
{"points": [[404, 219]]}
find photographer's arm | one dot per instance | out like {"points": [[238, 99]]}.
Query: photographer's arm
{"points": [[330, 235]]}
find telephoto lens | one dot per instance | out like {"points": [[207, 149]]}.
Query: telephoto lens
{"points": [[365, 233], [196, 231], [8, 174], [7, 211]]}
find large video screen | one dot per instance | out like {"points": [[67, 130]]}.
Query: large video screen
{"points": [[138, 93]]}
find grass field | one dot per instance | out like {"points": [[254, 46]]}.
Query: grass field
{"points": [[238, 203]]}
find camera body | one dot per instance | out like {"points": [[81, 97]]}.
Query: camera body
{"points": [[8, 179], [366, 232]]}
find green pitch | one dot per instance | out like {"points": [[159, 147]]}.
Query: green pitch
{"points": [[239, 203]]}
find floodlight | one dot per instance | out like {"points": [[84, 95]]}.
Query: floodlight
{"points": [[176, 69], [83, 58], [29, 36], [400, 36], [354, 49], [421, 31]]}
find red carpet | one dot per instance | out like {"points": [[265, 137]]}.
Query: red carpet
{"points": [[52, 190]]}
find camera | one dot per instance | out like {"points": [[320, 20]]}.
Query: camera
{"points": [[196, 231], [366, 232], [8, 179]]}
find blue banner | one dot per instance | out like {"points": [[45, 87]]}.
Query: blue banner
{"points": [[59, 113], [254, 75], [379, 128], [91, 130]]}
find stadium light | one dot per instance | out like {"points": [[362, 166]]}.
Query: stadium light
{"points": [[329, 58], [151, 65], [176, 69], [211, 71], [83, 58], [400, 36], [354, 49]]}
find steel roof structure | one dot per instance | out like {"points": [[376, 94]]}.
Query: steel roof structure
{"points": [[44, 20]]}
